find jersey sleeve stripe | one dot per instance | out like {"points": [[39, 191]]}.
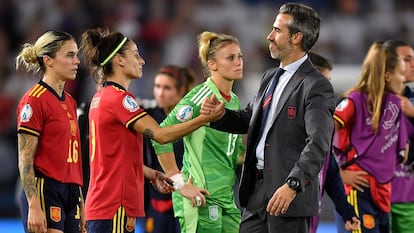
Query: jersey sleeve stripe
{"points": [[34, 89], [27, 130], [41, 92], [198, 93], [135, 118], [37, 91], [208, 93], [339, 120], [201, 95]]}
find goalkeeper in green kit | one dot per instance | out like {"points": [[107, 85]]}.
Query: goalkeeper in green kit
{"points": [[204, 199]]}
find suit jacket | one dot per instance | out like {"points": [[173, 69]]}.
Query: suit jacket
{"points": [[297, 141]]}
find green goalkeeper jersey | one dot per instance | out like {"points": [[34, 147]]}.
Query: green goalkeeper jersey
{"points": [[210, 156]]}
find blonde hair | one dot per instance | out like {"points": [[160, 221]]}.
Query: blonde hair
{"points": [[31, 56], [210, 42], [377, 62]]}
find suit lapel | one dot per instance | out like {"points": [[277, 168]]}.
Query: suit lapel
{"points": [[290, 87], [293, 83], [261, 93]]}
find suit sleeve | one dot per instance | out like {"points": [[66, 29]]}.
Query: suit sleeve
{"points": [[238, 121], [335, 189], [318, 123], [234, 121]]}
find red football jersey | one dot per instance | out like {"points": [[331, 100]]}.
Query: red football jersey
{"points": [[116, 159], [41, 112]]}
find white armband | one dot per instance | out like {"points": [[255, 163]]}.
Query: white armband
{"points": [[178, 181]]}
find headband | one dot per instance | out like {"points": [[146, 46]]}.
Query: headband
{"points": [[169, 71], [114, 52]]}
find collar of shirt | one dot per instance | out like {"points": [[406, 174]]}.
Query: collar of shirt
{"points": [[293, 67]]}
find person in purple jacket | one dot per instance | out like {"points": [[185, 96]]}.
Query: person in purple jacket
{"points": [[371, 136], [330, 178], [402, 186]]}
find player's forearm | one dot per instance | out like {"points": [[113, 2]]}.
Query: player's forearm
{"points": [[150, 128], [173, 132], [168, 163], [27, 145], [149, 173]]}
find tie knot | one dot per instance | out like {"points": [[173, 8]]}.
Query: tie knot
{"points": [[279, 72]]}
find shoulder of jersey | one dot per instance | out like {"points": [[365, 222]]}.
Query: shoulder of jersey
{"points": [[118, 89], [37, 91], [195, 97], [199, 93], [67, 93], [342, 105]]}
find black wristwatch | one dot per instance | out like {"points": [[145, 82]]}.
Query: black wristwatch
{"points": [[293, 184]]}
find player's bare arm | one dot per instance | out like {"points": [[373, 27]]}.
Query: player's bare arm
{"points": [[148, 133], [150, 128], [27, 145]]}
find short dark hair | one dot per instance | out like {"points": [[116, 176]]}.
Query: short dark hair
{"points": [[305, 20], [393, 44], [320, 61]]}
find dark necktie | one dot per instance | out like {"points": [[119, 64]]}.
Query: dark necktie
{"points": [[267, 101]]}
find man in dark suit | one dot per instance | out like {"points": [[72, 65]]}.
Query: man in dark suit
{"points": [[279, 186]]}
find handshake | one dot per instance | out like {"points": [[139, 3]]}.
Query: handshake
{"points": [[213, 108]]}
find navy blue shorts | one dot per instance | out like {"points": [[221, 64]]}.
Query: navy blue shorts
{"points": [[60, 202], [120, 223], [373, 220]]}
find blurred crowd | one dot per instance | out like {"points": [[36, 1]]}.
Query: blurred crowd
{"points": [[166, 34]]}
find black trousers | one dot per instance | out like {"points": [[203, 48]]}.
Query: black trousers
{"points": [[255, 218]]}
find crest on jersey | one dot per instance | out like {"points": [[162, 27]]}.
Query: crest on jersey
{"points": [[213, 212], [26, 113], [342, 105], [130, 103], [184, 113], [73, 127]]}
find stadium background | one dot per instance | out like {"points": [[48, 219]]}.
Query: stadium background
{"points": [[165, 31]]}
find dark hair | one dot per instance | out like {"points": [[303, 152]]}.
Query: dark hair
{"points": [[305, 20], [394, 44], [184, 77], [31, 56], [98, 47], [319, 61]]}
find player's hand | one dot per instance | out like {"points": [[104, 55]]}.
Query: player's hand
{"points": [[353, 225], [213, 108], [193, 193], [162, 183], [355, 178], [36, 221], [406, 106]]}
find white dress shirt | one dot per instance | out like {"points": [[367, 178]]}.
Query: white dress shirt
{"points": [[283, 81]]}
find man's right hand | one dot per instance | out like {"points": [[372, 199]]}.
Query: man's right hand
{"points": [[212, 106]]}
